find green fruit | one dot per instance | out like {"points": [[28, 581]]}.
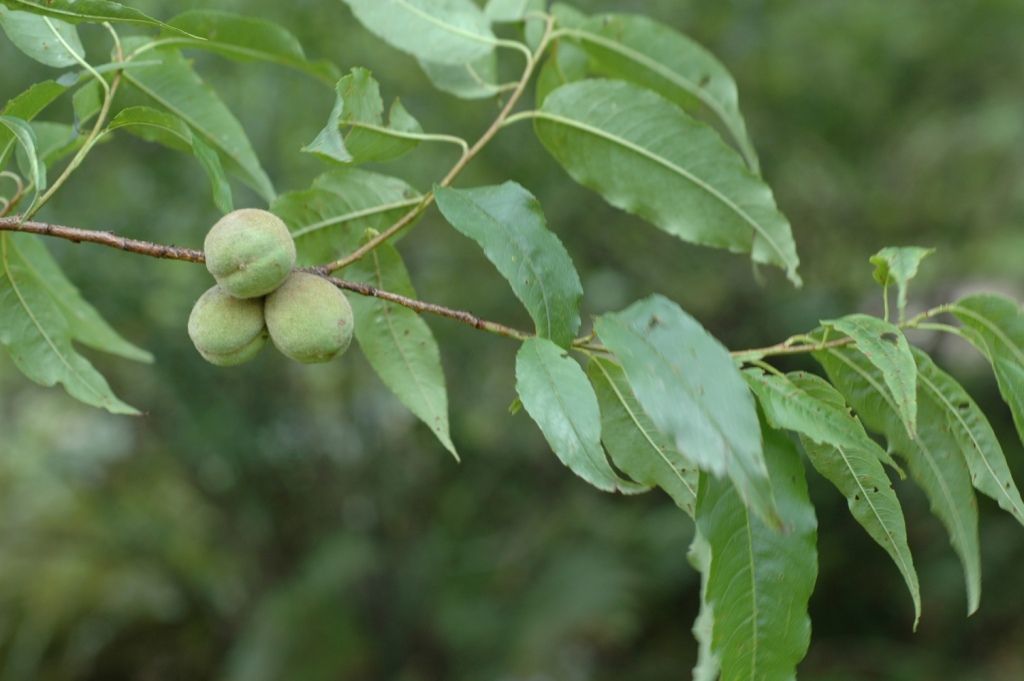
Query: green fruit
{"points": [[309, 319], [249, 252], [227, 330]]}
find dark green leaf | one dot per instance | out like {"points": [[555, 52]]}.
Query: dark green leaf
{"points": [[648, 157], [36, 36], [26, 106], [507, 222]]}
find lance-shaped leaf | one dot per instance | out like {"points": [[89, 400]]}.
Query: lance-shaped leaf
{"points": [[38, 335], [173, 84], [330, 218], [442, 31], [472, 80], [978, 442], [995, 325], [26, 106], [87, 11], [557, 396], [54, 141], [247, 38], [32, 164], [934, 458], [37, 37], [689, 386], [398, 343], [884, 345], [843, 453], [708, 665], [898, 266], [508, 224], [633, 443], [646, 52], [759, 581], [645, 155], [170, 131], [360, 109]]}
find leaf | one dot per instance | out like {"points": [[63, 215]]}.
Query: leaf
{"points": [[87, 102], [26, 106], [990, 473], [175, 86], [359, 108], [33, 35], [38, 335], [471, 80], [89, 11], [687, 383], [442, 31], [511, 11], [648, 157], [567, 63], [330, 219], [398, 343], [995, 325], [884, 345], [632, 441], [655, 56], [933, 458], [759, 581], [843, 453], [508, 224], [34, 167], [898, 266], [170, 131], [557, 396], [54, 141], [708, 665], [247, 38]]}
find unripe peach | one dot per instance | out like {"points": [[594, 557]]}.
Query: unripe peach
{"points": [[249, 252], [309, 319], [227, 330]]}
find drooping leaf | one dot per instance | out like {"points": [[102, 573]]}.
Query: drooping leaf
{"points": [[641, 50], [33, 166], [645, 155], [708, 664], [557, 396], [884, 345], [170, 131], [508, 224], [843, 453], [441, 31], [359, 108], [759, 581], [177, 88], [329, 219], [38, 335], [898, 266], [990, 473], [471, 80], [88, 11], [248, 38], [36, 36], [934, 458], [398, 343], [26, 106], [687, 383], [633, 443], [995, 325]]}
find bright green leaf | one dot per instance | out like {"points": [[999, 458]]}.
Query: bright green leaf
{"points": [[36, 36]]}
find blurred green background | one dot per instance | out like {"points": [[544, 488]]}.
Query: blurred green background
{"points": [[285, 522]]}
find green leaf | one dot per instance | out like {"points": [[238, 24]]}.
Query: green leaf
{"points": [[557, 396], [648, 157], [26, 106], [89, 11], [359, 108], [508, 224], [247, 38], [170, 131], [38, 335], [28, 155], [995, 325], [55, 141], [398, 343], [511, 11], [471, 80], [646, 52], [442, 31], [708, 665], [87, 102], [329, 219], [634, 444], [934, 458], [898, 266], [759, 581], [884, 345], [175, 86], [990, 473], [567, 63], [33, 35], [843, 453], [687, 383]]}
